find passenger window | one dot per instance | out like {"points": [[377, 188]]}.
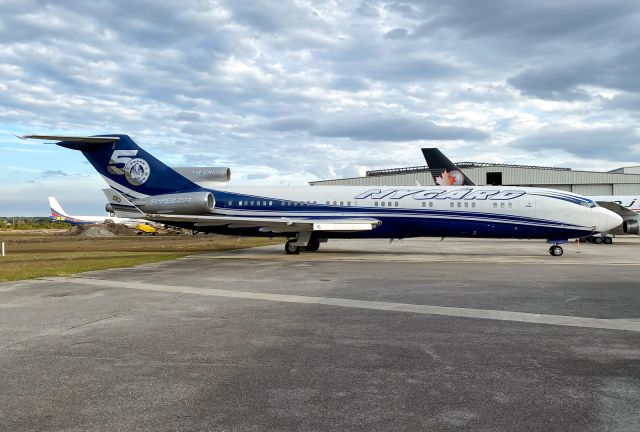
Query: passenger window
{"points": [[424, 204], [510, 205], [239, 203], [382, 203], [466, 204], [459, 204], [342, 203], [348, 203], [495, 205], [501, 205], [473, 204], [335, 203], [430, 203], [376, 203], [270, 203], [327, 203], [451, 204], [397, 203]]}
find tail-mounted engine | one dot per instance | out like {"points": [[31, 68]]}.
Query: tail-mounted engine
{"points": [[191, 203], [205, 174]]}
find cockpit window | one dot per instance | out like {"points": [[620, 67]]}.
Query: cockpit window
{"points": [[589, 204]]}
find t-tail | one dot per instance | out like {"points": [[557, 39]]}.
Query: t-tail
{"points": [[124, 165], [445, 172]]}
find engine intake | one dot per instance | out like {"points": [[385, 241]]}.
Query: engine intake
{"points": [[192, 203], [631, 227], [205, 174]]}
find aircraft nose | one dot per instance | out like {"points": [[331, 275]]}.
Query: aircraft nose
{"points": [[606, 220]]}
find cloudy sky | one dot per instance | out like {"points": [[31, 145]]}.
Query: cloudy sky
{"points": [[286, 92]]}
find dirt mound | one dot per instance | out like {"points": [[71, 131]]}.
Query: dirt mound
{"points": [[100, 230]]}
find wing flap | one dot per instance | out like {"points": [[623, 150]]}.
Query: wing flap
{"points": [[273, 224]]}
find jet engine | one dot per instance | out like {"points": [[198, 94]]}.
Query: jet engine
{"points": [[191, 203], [108, 208], [631, 227], [204, 174]]}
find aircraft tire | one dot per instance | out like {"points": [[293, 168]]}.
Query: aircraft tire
{"points": [[556, 250], [290, 249], [608, 240], [597, 240], [313, 246]]}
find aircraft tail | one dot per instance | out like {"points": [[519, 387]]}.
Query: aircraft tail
{"points": [[124, 165], [56, 210], [445, 172]]}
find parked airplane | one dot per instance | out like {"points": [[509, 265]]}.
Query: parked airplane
{"points": [[58, 214], [627, 207], [309, 215]]}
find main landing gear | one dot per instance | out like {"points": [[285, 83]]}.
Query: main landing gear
{"points": [[300, 243], [291, 249]]}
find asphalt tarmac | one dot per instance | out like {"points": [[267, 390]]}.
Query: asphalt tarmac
{"points": [[362, 336]]}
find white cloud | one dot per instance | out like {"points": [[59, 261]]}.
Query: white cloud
{"points": [[292, 91]]}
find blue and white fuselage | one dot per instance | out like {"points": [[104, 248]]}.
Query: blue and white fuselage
{"points": [[140, 183], [419, 211]]}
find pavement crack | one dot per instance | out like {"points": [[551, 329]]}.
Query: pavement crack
{"points": [[92, 321]]}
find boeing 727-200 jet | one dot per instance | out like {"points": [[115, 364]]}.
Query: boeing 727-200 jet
{"points": [[309, 215]]}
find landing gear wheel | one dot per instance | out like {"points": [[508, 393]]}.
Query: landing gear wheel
{"points": [[556, 250], [597, 240], [608, 240], [313, 246], [290, 249]]}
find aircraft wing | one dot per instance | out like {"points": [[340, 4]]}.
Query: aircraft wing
{"points": [[624, 212], [276, 225]]}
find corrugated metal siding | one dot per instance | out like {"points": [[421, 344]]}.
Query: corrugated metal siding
{"points": [[626, 189], [596, 189], [582, 182]]}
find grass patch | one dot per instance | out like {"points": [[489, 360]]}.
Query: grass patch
{"points": [[63, 266], [32, 255]]}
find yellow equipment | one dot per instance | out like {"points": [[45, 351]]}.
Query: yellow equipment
{"points": [[146, 229]]}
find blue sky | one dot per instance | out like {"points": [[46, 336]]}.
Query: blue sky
{"points": [[293, 91]]}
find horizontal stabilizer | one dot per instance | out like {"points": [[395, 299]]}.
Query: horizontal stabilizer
{"points": [[76, 139]]}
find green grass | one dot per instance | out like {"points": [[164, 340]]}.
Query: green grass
{"points": [[32, 255], [64, 266]]}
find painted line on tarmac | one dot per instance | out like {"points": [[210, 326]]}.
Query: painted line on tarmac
{"points": [[496, 315]]}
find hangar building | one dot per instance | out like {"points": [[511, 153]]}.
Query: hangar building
{"points": [[622, 181]]}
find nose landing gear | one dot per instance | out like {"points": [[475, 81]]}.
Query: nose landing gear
{"points": [[555, 249]]}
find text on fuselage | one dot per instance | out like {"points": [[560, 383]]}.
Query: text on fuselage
{"points": [[441, 194]]}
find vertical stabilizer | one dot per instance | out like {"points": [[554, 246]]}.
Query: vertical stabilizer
{"points": [[125, 166], [56, 210], [443, 171]]}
